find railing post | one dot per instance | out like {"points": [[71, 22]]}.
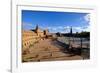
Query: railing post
{"points": [[81, 42]]}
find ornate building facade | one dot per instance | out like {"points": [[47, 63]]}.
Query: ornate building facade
{"points": [[29, 37]]}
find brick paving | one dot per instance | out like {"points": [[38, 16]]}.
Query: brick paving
{"points": [[48, 50]]}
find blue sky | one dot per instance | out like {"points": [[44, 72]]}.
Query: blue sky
{"points": [[55, 21]]}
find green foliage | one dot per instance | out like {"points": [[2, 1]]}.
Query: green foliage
{"points": [[84, 34]]}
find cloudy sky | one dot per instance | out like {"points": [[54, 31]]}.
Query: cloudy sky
{"points": [[55, 21]]}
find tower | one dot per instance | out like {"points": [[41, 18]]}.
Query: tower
{"points": [[71, 32], [46, 32], [36, 29]]}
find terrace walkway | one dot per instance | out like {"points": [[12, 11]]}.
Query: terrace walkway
{"points": [[49, 50]]}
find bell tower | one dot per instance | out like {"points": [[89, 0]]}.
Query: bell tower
{"points": [[71, 32], [36, 29]]}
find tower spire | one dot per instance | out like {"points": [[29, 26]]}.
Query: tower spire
{"points": [[37, 27], [71, 32]]}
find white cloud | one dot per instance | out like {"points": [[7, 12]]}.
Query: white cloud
{"points": [[62, 29], [87, 17], [27, 26], [66, 29], [59, 29], [87, 28], [80, 29]]}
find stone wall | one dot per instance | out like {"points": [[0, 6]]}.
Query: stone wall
{"points": [[28, 38]]}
